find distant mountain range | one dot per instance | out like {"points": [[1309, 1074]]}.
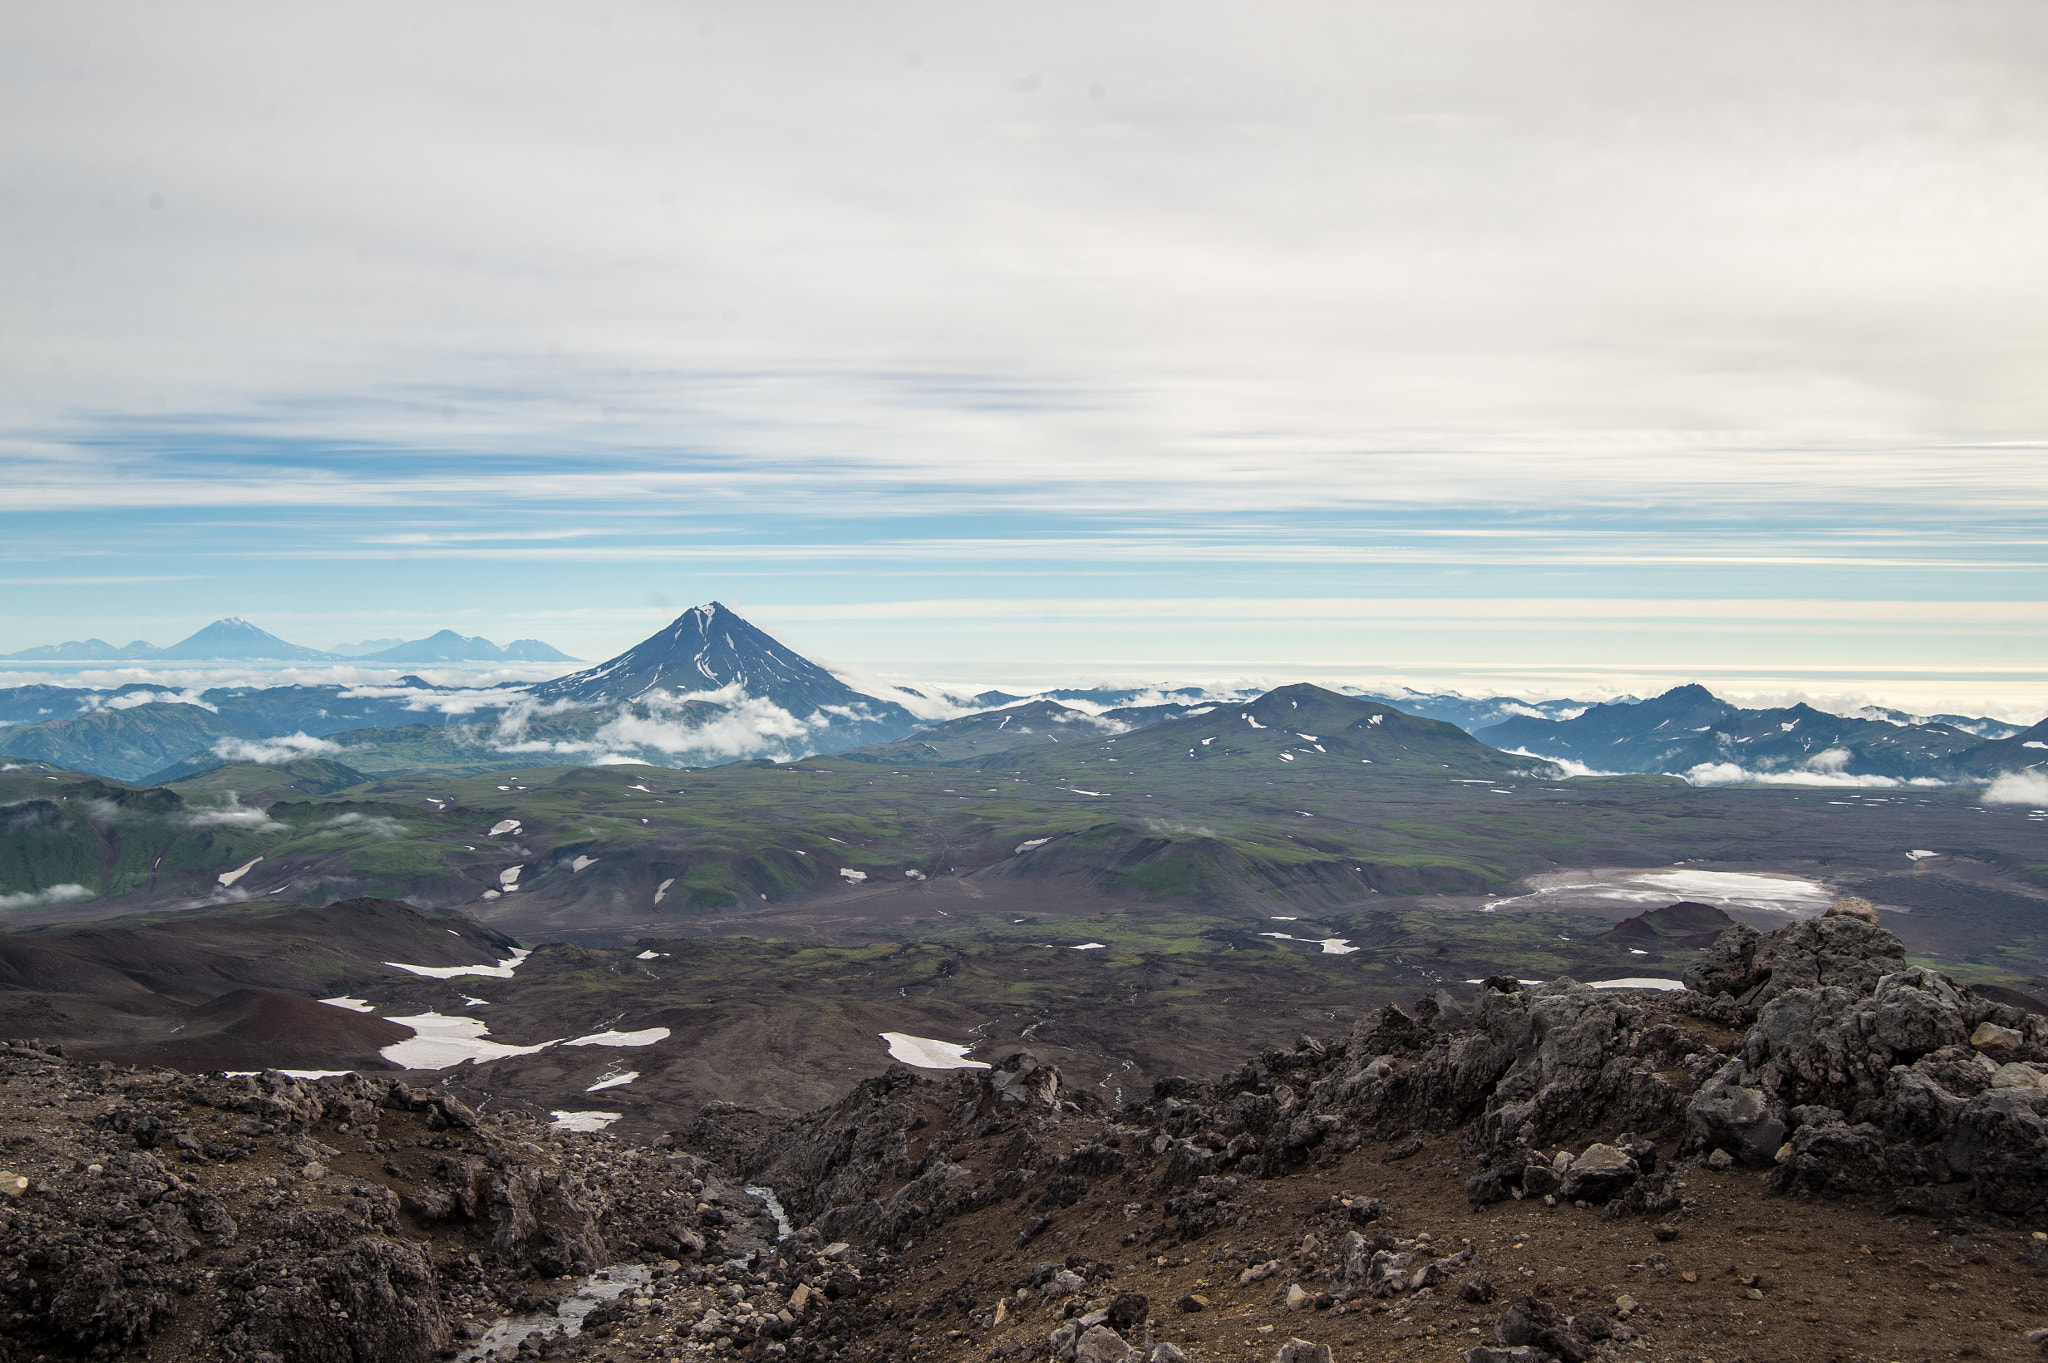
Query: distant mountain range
{"points": [[1690, 731], [712, 688], [236, 640]]}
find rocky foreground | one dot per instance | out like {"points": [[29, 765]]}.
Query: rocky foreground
{"points": [[1816, 1151]]}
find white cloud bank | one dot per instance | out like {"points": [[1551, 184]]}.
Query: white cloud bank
{"points": [[37, 899], [272, 752], [2019, 788]]}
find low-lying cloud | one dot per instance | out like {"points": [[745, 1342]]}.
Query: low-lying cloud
{"points": [[230, 814], [1830, 777], [376, 825], [134, 698], [273, 752], [2018, 788], [749, 727], [1566, 764], [37, 899]]}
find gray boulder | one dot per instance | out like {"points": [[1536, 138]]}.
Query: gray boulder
{"points": [[1726, 1114], [1598, 1174]]}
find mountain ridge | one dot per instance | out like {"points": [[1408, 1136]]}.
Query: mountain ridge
{"points": [[233, 639]]}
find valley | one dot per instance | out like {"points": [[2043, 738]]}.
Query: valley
{"points": [[561, 909]]}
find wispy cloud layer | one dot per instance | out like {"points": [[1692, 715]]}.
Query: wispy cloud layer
{"points": [[1154, 301]]}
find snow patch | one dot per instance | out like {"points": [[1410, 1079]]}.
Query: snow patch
{"points": [[614, 1081], [614, 1038], [1027, 846], [439, 1041], [583, 1121], [1638, 982], [927, 1054], [503, 826], [501, 971], [353, 1005], [230, 877], [853, 877]]}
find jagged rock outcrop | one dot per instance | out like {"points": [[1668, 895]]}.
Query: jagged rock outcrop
{"points": [[267, 1218], [1845, 1072]]}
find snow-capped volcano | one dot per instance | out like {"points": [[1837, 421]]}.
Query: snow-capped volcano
{"points": [[709, 648]]}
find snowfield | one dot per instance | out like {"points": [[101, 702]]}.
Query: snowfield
{"points": [[927, 1054]]}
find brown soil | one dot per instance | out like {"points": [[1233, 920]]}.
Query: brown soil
{"points": [[1748, 1276]]}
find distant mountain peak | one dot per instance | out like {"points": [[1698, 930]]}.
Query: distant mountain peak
{"points": [[708, 648]]}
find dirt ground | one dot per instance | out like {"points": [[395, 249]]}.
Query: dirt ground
{"points": [[1747, 1275]]}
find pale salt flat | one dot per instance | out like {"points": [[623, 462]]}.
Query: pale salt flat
{"points": [[501, 971], [583, 1121], [1638, 982], [614, 1081], [927, 1054], [580, 863], [440, 1041], [353, 1005], [230, 877], [503, 825], [646, 1038]]}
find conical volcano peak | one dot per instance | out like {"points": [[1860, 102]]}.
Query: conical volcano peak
{"points": [[710, 648]]}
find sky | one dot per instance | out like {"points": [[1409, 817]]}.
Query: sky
{"points": [[1572, 349]]}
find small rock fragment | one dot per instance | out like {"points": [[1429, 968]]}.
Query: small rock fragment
{"points": [[1302, 1351]]}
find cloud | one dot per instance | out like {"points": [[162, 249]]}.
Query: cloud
{"points": [[749, 727], [131, 699], [231, 813], [462, 701], [273, 751], [520, 710], [376, 825], [36, 899], [1566, 764], [2018, 788], [1831, 777]]}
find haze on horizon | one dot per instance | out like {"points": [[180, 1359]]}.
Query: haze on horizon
{"points": [[1572, 350]]}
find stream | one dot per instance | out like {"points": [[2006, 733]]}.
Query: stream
{"points": [[567, 1318]]}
